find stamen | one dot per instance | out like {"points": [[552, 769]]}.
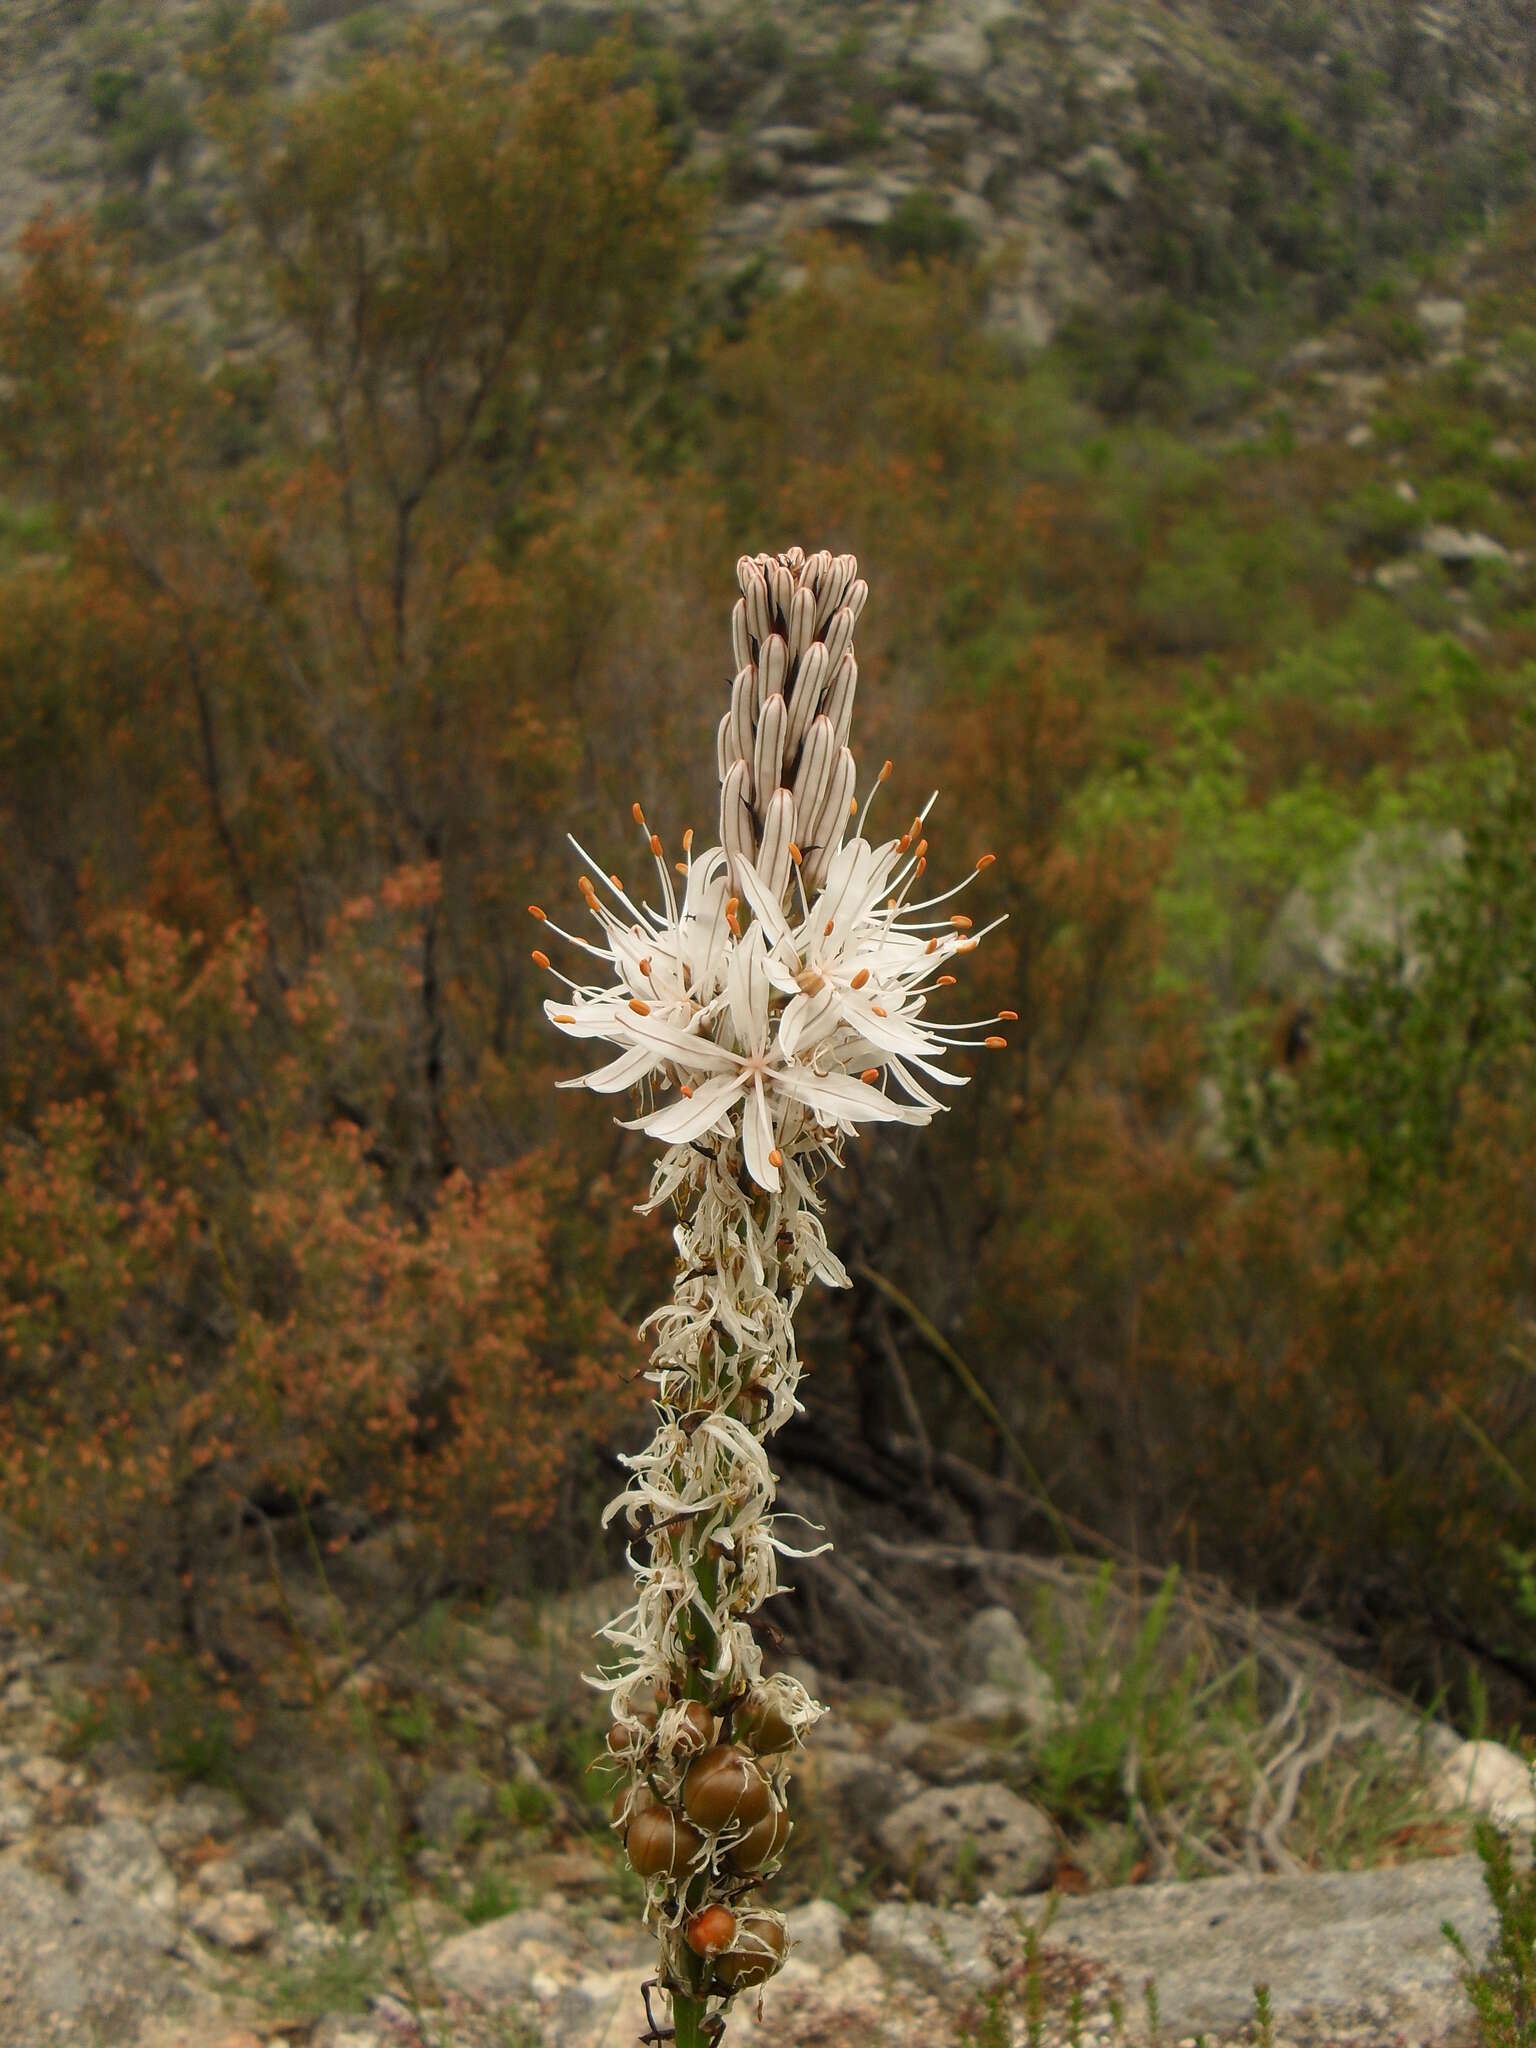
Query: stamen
{"points": [[775, 1157], [1007, 1016], [945, 981], [985, 862], [870, 1075], [534, 911], [539, 959], [656, 843], [994, 1044], [637, 814], [960, 921], [885, 771], [688, 839], [640, 1009]]}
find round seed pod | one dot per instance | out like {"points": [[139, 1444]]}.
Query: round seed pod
{"points": [[763, 1726], [690, 1730], [755, 1954], [625, 1738], [632, 1800], [709, 1932], [764, 1843], [725, 1788], [660, 1844]]}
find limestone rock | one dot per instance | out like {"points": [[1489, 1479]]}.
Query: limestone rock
{"points": [[120, 1857], [1385, 883], [982, 1832], [1449, 545], [202, 1813], [959, 51], [288, 1854], [941, 1948], [1004, 1679], [489, 1964], [1489, 1779], [1443, 320], [1338, 1949], [1102, 170], [452, 1807], [236, 1920], [816, 1933], [80, 1972]]}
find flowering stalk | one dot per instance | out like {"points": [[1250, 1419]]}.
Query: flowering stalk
{"points": [[764, 1011]]}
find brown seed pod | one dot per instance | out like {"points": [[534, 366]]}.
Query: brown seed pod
{"points": [[725, 1788], [632, 1800], [763, 1726], [660, 1844], [755, 1954], [709, 1932], [694, 1729], [625, 1738], [762, 1844]]}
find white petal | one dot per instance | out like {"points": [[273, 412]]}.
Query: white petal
{"points": [[691, 1115], [844, 1100], [757, 1140]]}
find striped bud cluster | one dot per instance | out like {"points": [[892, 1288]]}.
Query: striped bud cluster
{"points": [[786, 772]]}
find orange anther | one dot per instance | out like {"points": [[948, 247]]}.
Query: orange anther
{"points": [[684, 1088], [1008, 1016], [870, 1074], [919, 870], [640, 1009], [985, 862], [878, 1009], [539, 959], [795, 854], [922, 848], [688, 840], [885, 772], [534, 911], [945, 981], [617, 883], [960, 921], [637, 814], [562, 1017], [860, 978], [656, 843], [645, 964], [775, 1157], [996, 1044]]}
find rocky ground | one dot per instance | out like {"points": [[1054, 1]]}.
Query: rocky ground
{"points": [[140, 1911], [1107, 147]]}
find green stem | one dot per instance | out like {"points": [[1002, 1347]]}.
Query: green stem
{"points": [[688, 2018]]}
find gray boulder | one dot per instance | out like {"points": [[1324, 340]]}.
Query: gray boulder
{"points": [[453, 1806], [120, 1858], [983, 1834], [493, 1964], [1385, 885], [1004, 1679], [1339, 1950], [1486, 1778], [82, 1968]]}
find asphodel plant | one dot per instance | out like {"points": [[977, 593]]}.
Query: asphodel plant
{"points": [[770, 1000]]}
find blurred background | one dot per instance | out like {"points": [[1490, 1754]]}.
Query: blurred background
{"points": [[388, 391]]}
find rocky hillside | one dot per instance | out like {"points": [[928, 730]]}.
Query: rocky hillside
{"points": [[1221, 152]]}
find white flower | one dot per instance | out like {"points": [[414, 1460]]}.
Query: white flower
{"points": [[777, 1008]]}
